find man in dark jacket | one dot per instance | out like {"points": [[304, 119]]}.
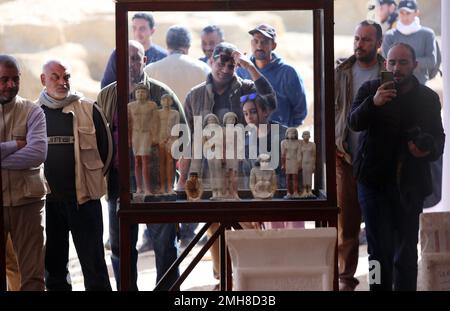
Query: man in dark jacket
{"points": [[401, 133]]}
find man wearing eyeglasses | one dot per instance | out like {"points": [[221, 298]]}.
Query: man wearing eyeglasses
{"points": [[285, 80]]}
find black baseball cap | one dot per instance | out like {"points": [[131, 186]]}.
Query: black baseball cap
{"points": [[266, 30], [381, 2], [407, 5]]}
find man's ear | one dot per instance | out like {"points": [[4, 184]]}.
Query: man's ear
{"points": [[43, 79], [379, 43], [152, 31], [274, 45]]}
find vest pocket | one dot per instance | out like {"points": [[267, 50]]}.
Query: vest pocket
{"points": [[87, 137], [88, 144], [94, 177], [34, 185]]}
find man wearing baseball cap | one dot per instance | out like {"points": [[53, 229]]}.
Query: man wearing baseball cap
{"points": [[421, 39], [386, 13], [285, 80]]}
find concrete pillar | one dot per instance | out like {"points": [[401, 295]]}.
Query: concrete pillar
{"points": [[444, 205]]}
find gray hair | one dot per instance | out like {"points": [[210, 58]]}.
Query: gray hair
{"points": [[137, 45], [178, 37], [8, 61]]}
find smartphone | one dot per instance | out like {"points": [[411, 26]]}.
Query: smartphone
{"points": [[387, 76]]}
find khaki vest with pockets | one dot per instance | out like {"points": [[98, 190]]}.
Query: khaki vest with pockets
{"points": [[26, 186]]}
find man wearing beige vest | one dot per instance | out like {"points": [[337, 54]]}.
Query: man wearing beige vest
{"points": [[79, 152], [23, 150]]}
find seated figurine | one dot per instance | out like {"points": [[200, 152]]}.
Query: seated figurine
{"points": [[194, 187], [263, 180]]}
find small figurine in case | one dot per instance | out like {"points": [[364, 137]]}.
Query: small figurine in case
{"points": [[263, 180], [308, 164], [193, 187], [142, 134], [290, 162], [167, 119], [212, 145], [232, 147]]}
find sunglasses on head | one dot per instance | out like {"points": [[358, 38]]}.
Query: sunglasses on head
{"points": [[248, 97]]}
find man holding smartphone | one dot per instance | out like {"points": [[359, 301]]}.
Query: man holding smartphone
{"points": [[401, 134], [364, 65]]}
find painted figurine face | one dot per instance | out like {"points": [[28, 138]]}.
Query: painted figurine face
{"points": [[264, 160], [211, 120], [306, 135], [292, 134], [141, 94], [230, 118], [166, 102]]}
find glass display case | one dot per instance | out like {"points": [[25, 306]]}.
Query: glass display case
{"points": [[182, 160]]}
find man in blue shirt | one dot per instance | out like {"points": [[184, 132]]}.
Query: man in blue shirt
{"points": [[285, 80], [143, 28]]}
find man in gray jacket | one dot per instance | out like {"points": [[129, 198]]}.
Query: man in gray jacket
{"points": [[365, 64]]}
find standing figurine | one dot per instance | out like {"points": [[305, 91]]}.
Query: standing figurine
{"points": [[263, 180], [215, 164], [230, 190], [143, 134], [308, 164], [167, 119], [290, 161], [194, 187]]}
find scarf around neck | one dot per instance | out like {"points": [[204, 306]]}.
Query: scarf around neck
{"points": [[52, 103], [409, 29]]}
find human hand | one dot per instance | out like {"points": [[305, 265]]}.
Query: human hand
{"points": [[21, 143], [241, 60], [385, 93], [415, 151]]}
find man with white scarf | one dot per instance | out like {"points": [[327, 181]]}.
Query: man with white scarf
{"points": [[79, 154], [421, 39]]}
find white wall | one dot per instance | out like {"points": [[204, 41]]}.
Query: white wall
{"points": [[444, 205]]}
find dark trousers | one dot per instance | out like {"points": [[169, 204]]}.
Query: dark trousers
{"points": [[86, 225], [163, 237], [392, 229]]}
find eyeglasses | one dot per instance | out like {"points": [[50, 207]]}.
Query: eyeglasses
{"points": [[247, 97], [223, 61]]}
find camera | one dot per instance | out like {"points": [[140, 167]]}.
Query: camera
{"points": [[423, 141]]}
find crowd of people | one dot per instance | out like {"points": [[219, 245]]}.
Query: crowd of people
{"points": [[387, 136]]}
